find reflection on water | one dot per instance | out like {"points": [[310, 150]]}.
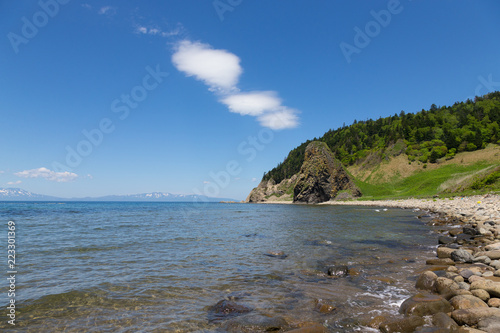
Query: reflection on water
{"points": [[154, 267]]}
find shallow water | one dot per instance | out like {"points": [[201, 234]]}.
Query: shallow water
{"points": [[155, 267]]}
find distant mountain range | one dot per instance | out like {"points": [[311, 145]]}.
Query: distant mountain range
{"points": [[17, 194]]}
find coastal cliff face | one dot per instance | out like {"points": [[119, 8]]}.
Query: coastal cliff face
{"points": [[321, 178]]}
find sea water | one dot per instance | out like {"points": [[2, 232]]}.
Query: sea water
{"points": [[159, 267]]}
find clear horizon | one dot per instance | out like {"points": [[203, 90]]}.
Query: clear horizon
{"points": [[203, 97]]}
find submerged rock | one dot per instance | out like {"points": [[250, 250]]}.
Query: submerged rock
{"points": [[338, 271], [254, 323], [405, 325], [225, 309]]}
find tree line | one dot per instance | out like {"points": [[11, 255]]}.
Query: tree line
{"points": [[427, 136]]}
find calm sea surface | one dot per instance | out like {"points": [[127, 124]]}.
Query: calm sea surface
{"points": [[156, 267]]}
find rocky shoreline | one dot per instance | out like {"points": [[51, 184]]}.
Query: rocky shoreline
{"points": [[460, 289]]}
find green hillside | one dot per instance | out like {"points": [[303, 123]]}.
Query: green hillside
{"points": [[429, 141]]}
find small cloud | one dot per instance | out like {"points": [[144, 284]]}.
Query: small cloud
{"points": [[14, 183], [86, 6], [252, 103], [107, 10], [47, 174], [237, 178], [89, 176], [281, 119], [254, 180], [219, 69], [206, 182], [156, 31], [1, 172]]}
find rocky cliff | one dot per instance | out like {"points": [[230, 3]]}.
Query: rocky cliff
{"points": [[321, 178]]}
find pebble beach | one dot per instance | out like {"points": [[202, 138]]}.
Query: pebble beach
{"points": [[459, 289]]}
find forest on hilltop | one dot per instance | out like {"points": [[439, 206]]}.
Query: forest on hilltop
{"points": [[427, 136]]}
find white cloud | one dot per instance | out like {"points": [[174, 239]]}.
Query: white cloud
{"points": [[252, 103], [219, 69], [1, 172], [48, 174], [206, 182], [277, 120], [86, 6], [107, 10], [254, 179], [156, 31], [14, 183]]}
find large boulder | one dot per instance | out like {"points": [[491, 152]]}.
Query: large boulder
{"points": [[473, 315], [321, 176], [467, 302], [424, 305], [493, 288]]}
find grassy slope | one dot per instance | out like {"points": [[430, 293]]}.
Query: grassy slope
{"points": [[397, 178]]}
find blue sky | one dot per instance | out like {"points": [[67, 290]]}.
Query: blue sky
{"points": [[197, 96]]}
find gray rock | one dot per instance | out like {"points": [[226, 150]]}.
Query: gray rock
{"points": [[488, 273], [461, 256], [466, 273], [495, 264], [464, 285], [482, 259], [489, 324], [445, 240]]}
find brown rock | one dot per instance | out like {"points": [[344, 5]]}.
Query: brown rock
{"points": [[481, 294], [424, 305], [376, 321], [446, 287], [445, 261], [467, 302], [444, 252], [472, 316], [442, 320], [321, 176], [493, 254], [405, 325], [324, 306], [493, 288], [494, 302], [426, 281], [313, 328]]}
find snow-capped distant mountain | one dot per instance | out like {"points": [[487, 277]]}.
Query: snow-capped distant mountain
{"points": [[17, 194], [160, 196]]}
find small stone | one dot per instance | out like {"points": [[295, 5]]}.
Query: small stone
{"points": [[466, 273], [464, 285], [494, 302], [458, 279], [452, 269], [442, 262], [461, 256], [426, 281], [495, 264], [444, 252], [338, 271], [323, 306], [445, 240], [497, 273], [481, 294], [487, 274], [482, 259]]}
